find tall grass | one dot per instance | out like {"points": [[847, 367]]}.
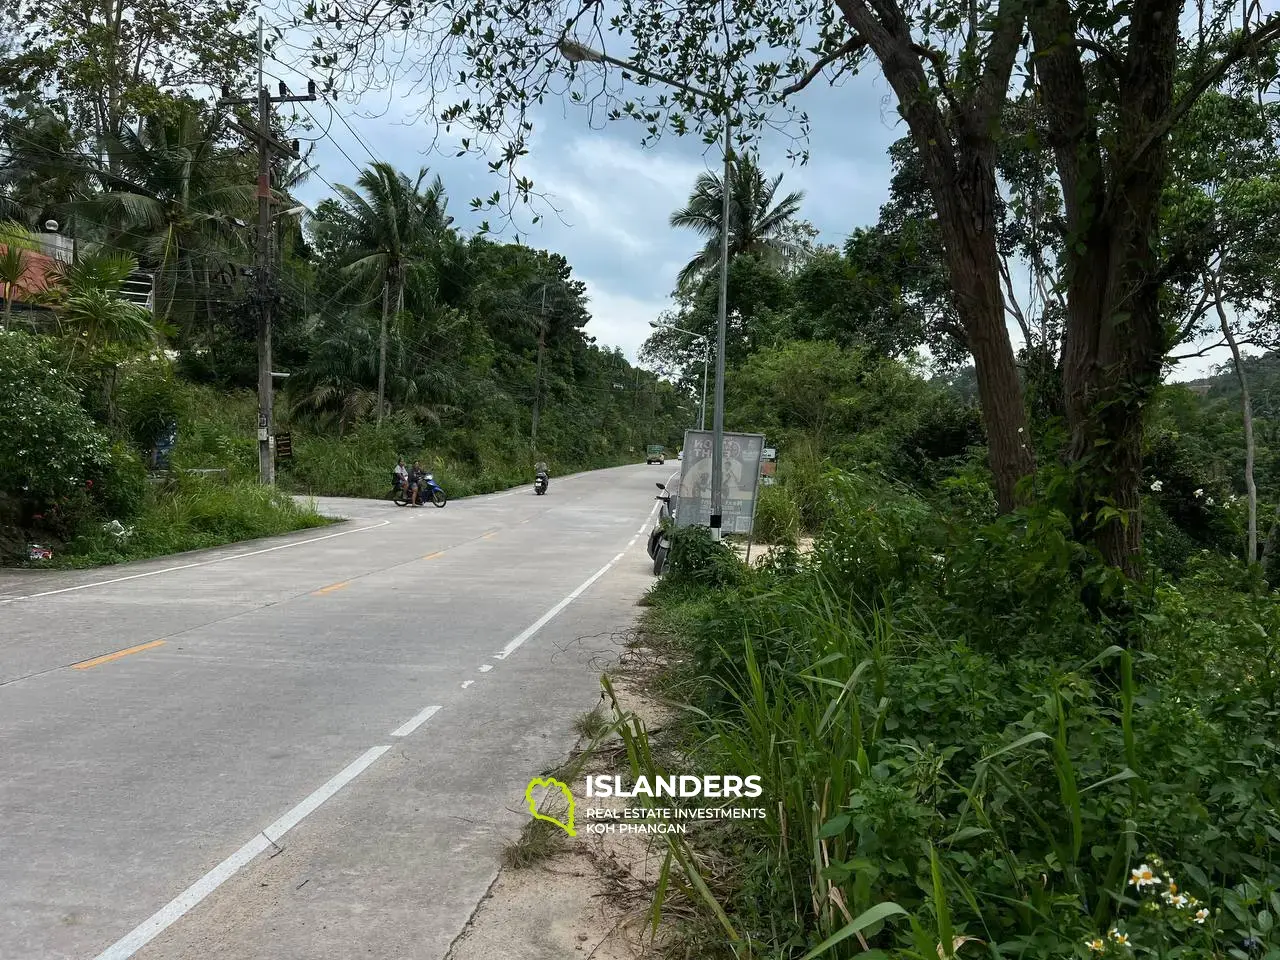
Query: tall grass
{"points": [[930, 799], [190, 515]]}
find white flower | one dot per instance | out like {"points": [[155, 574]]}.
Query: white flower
{"points": [[1201, 915], [1143, 877], [1209, 502], [1157, 486], [1199, 491], [1118, 937]]}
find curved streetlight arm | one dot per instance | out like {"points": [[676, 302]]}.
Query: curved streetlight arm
{"points": [[669, 326]]}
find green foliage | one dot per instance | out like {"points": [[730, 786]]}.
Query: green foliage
{"points": [[698, 560], [956, 734], [777, 517], [193, 515], [758, 224], [48, 443]]}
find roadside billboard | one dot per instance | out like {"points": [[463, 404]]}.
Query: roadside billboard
{"points": [[741, 466]]}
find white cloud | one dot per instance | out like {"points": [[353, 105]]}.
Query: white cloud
{"points": [[619, 320]]}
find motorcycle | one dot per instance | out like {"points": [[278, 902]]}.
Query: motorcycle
{"points": [[660, 536], [541, 479], [428, 490]]}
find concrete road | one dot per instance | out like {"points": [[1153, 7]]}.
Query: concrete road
{"points": [[314, 746]]}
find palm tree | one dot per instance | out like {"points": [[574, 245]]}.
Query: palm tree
{"points": [[383, 230], [179, 201], [756, 223], [91, 309]]}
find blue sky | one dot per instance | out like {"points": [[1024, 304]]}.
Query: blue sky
{"points": [[612, 197]]}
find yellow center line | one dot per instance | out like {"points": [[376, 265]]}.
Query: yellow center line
{"points": [[432, 556], [86, 664], [332, 587]]}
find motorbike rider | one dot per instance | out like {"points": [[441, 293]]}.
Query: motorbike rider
{"points": [[416, 473]]}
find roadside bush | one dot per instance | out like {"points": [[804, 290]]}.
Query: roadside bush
{"points": [[777, 517], [149, 398], [698, 560], [195, 514], [120, 483], [1018, 793], [50, 449], [946, 727]]}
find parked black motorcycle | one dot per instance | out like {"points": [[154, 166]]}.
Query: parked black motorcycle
{"points": [[660, 535]]}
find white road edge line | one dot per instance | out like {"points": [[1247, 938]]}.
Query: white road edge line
{"points": [[467, 683], [173, 911], [546, 618], [413, 724], [486, 667], [189, 566]]}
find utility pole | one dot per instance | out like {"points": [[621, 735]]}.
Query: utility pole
{"points": [[268, 149], [537, 385]]}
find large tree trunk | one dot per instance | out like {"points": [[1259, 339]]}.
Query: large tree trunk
{"points": [[974, 267], [958, 153], [1114, 341], [1246, 410]]}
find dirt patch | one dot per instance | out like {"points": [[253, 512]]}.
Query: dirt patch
{"points": [[585, 896], [759, 552]]}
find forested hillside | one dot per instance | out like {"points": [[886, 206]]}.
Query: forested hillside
{"points": [[131, 311]]}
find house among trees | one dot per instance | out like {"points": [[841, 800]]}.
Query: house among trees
{"points": [[30, 265]]}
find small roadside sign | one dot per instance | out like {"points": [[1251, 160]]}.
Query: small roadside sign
{"points": [[769, 453], [284, 446]]}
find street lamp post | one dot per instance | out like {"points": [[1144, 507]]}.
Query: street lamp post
{"points": [[706, 361], [576, 52]]}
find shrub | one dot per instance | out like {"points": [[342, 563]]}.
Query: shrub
{"points": [[50, 449], [697, 559], [1014, 791], [777, 516]]}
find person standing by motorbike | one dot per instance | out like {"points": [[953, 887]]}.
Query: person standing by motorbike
{"points": [[416, 473]]}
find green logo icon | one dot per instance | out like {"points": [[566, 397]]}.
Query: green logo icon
{"points": [[550, 783]]}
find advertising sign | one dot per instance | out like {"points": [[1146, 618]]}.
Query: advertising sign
{"points": [[741, 465]]}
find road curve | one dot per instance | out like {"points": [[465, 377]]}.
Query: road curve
{"points": [[308, 747]]}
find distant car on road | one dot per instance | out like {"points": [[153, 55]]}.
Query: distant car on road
{"points": [[680, 455]]}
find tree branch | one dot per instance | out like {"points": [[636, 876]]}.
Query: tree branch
{"points": [[850, 46], [1209, 349], [938, 59], [1244, 44], [1104, 55], [1006, 41], [1011, 305]]}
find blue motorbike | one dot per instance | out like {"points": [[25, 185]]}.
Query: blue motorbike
{"points": [[429, 491]]}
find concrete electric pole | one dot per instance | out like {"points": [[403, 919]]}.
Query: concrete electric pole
{"points": [[268, 148]]}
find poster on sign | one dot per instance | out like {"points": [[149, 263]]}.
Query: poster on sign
{"points": [[741, 469]]}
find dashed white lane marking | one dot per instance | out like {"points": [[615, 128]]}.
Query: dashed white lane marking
{"points": [[486, 667], [546, 618], [156, 924], [467, 683], [199, 563], [415, 722]]}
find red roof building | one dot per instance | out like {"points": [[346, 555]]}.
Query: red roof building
{"points": [[34, 281]]}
